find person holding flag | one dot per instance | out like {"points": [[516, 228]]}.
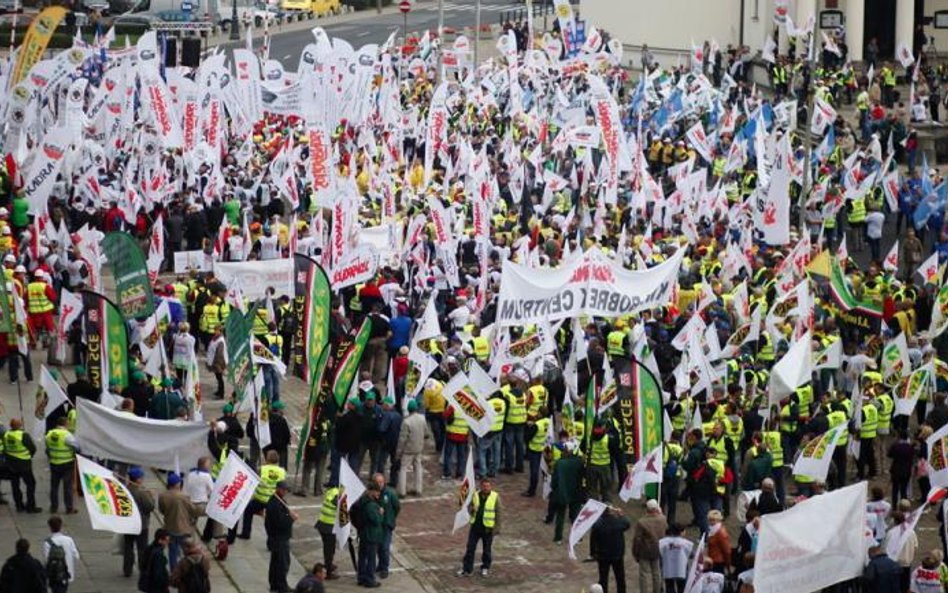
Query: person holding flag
{"points": [[484, 524]]}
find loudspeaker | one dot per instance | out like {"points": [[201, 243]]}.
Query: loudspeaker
{"points": [[191, 52], [171, 52]]}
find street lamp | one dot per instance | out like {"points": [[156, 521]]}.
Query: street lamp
{"points": [[234, 23]]}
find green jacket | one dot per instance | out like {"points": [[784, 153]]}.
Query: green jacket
{"points": [[566, 480], [758, 468], [391, 505], [20, 216], [373, 520]]}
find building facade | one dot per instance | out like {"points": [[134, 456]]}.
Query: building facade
{"points": [[669, 26]]}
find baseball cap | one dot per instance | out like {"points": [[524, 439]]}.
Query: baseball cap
{"points": [[652, 505], [173, 479], [228, 408], [136, 472]]}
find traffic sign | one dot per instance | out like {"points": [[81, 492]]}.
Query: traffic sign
{"points": [[405, 6]]}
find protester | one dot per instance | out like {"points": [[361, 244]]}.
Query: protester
{"points": [[313, 581], [155, 576], [133, 545], [648, 532], [484, 524], [278, 521], [22, 573], [192, 574], [61, 556], [179, 517], [675, 551], [608, 545]]}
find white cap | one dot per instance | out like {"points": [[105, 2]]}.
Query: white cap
{"points": [[20, 269], [9, 259], [39, 274], [4, 212], [652, 505]]}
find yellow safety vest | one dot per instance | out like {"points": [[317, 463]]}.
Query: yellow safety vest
{"points": [[500, 409], [734, 430], [600, 452], [57, 450], [37, 301], [718, 466], [538, 442], [13, 445], [327, 514], [490, 509], [261, 322], [870, 422], [858, 212], [481, 348], [518, 408], [615, 343], [772, 438], [458, 424], [720, 448], [210, 318], [836, 418], [538, 400], [219, 464], [885, 415], [270, 476]]}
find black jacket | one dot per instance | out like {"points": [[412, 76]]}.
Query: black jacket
{"points": [[23, 574], [155, 577], [881, 575], [608, 536], [277, 520]]}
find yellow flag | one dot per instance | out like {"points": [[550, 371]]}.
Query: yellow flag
{"points": [[820, 264], [37, 38]]}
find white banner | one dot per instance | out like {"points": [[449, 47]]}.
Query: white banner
{"points": [[351, 489], [233, 489], [254, 277], [647, 470], [587, 283], [586, 518], [185, 261], [38, 182], [814, 458], [164, 444], [938, 458], [819, 542], [478, 413], [70, 306], [109, 503]]}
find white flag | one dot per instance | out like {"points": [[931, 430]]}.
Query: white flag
{"points": [[694, 570], [465, 493], [815, 457], [588, 516], [351, 490], [475, 409], [109, 503], [904, 54], [929, 270], [793, 370], [891, 261], [233, 489], [70, 306], [897, 536], [831, 357], [647, 470], [55, 396], [908, 393]]}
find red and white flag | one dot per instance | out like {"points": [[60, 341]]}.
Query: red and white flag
{"points": [[647, 470], [929, 270], [232, 491], [70, 306], [156, 248], [588, 515], [842, 253], [891, 261], [465, 494]]}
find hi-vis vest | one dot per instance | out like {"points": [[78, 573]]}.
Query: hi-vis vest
{"points": [[885, 414], [481, 348], [772, 438], [261, 321], [327, 514], [600, 452], [458, 424], [718, 466], [13, 445], [219, 464], [538, 442], [37, 301], [858, 212], [538, 398], [210, 318], [518, 408], [870, 422], [57, 450], [500, 409], [490, 509], [270, 476], [615, 343], [836, 418]]}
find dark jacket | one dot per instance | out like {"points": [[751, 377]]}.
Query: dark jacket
{"points": [[348, 432], [881, 575], [154, 578], [902, 454], [23, 574], [373, 519], [391, 506], [767, 503], [279, 432], [309, 584], [567, 480], [608, 539], [278, 522]]}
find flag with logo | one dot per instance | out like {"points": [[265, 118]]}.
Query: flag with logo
{"points": [[34, 43], [815, 457], [109, 503], [844, 296], [239, 362], [891, 261], [939, 313], [647, 470], [132, 286], [233, 490], [912, 388], [351, 489], [477, 412], [587, 517], [106, 342], [895, 359], [70, 306], [929, 270], [830, 357], [465, 494], [938, 458], [348, 364]]}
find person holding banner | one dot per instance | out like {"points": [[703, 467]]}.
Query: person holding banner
{"points": [[485, 524]]}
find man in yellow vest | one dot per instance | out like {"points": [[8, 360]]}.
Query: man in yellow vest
{"points": [[40, 305], [599, 471], [868, 431], [538, 428], [485, 520], [455, 444], [271, 474], [18, 447], [514, 445], [324, 525], [490, 443], [61, 450]]}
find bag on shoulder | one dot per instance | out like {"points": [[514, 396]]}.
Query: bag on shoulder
{"points": [[196, 578], [57, 571]]}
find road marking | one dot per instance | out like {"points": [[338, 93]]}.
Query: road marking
{"points": [[297, 507], [287, 56], [363, 33], [428, 498]]}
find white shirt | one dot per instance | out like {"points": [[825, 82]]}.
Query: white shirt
{"points": [[182, 350], [710, 582], [68, 546], [878, 511], [269, 249], [926, 580], [874, 222], [675, 552], [198, 485]]}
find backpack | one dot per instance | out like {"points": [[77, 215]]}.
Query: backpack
{"points": [[196, 578], [57, 571]]}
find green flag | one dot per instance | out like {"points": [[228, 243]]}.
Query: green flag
{"points": [[649, 421], [845, 298], [317, 400], [106, 342], [6, 322], [348, 364], [589, 414], [132, 288], [239, 367], [313, 310]]}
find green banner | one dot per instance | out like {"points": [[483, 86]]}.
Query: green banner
{"points": [[589, 415], [648, 409], [317, 400], [106, 341], [348, 365], [845, 298], [132, 288], [313, 310], [239, 366]]}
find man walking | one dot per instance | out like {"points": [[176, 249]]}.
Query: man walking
{"points": [[391, 506], [278, 522], [179, 516], [608, 544], [566, 483], [411, 442], [271, 474], [61, 451], [485, 522], [648, 531], [19, 449], [324, 525], [22, 573], [145, 501], [61, 556], [371, 519]]}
